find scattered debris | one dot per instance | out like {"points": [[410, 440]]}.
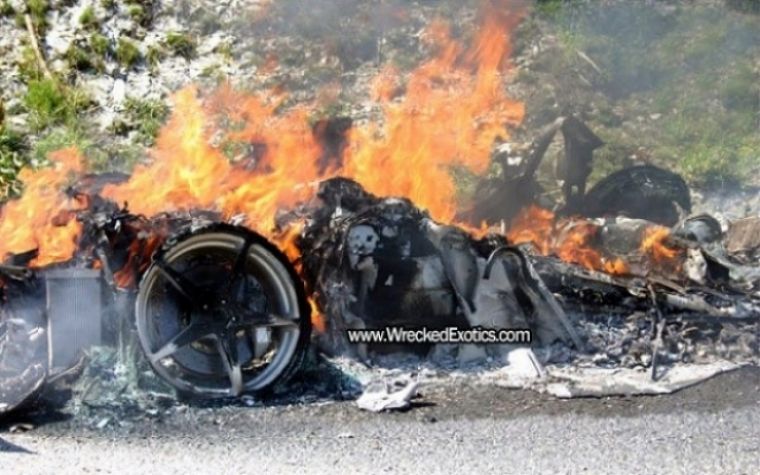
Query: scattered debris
{"points": [[382, 395], [21, 427], [523, 370], [602, 382], [743, 238], [642, 192]]}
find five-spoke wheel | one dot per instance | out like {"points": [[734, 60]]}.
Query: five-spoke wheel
{"points": [[221, 313]]}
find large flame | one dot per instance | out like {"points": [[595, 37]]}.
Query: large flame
{"points": [[452, 110], [447, 117], [43, 217], [448, 112]]}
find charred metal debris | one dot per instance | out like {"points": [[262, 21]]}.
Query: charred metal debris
{"points": [[218, 311]]}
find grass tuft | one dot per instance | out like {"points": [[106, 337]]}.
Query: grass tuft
{"points": [[181, 44], [127, 53], [147, 117], [88, 19], [50, 103]]}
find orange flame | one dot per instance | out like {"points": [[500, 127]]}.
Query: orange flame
{"points": [[452, 111], [43, 217], [448, 116], [572, 240], [448, 112], [138, 259], [654, 244]]}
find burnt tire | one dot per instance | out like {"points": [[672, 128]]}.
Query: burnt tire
{"points": [[221, 312]]}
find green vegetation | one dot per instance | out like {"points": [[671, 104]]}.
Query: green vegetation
{"points": [[154, 56], [83, 59], [212, 70], [740, 90], [146, 117], [50, 103], [681, 90], [331, 110], [100, 44], [87, 19], [127, 53], [137, 13], [206, 19], [6, 9], [27, 65], [38, 10], [181, 44], [140, 11], [13, 156], [56, 109], [56, 139], [225, 49], [91, 55]]}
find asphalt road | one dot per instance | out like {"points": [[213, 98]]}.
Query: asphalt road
{"points": [[712, 428]]}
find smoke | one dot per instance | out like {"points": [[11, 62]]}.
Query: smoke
{"points": [[641, 46], [670, 83]]}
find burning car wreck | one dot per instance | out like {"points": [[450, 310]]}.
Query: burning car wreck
{"points": [[258, 233], [199, 269], [220, 310]]}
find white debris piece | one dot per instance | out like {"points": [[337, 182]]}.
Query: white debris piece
{"points": [[524, 364], [523, 370], [380, 395], [600, 382]]}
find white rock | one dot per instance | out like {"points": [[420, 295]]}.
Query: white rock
{"points": [[59, 39], [212, 42], [119, 93], [100, 87]]}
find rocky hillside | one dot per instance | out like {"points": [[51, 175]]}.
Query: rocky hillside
{"points": [[673, 83]]}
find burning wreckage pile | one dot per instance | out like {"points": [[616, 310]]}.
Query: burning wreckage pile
{"points": [[602, 284], [616, 280], [223, 271]]}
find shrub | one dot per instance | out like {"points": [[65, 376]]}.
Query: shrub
{"points": [[181, 44], [138, 15], [27, 64], [154, 56], [6, 9], [13, 156], [739, 90], [99, 44], [127, 53], [87, 19], [50, 103], [147, 116], [80, 59], [45, 101], [38, 11], [57, 139]]}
